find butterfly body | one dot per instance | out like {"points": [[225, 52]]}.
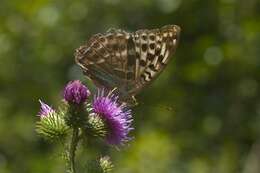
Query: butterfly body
{"points": [[127, 61]]}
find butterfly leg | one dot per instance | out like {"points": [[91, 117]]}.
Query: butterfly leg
{"points": [[134, 101]]}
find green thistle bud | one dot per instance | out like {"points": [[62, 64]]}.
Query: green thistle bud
{"points": [[96, 126], [52, 126]]}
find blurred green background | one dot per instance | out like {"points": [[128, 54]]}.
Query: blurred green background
{"points": [[202, 115]]}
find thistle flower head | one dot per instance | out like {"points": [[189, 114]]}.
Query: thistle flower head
{"points": [[76, 93], [117, 117], [45, 110]]}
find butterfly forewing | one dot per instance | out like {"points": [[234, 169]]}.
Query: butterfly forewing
{"points": [[160, 45], [127, 61]]}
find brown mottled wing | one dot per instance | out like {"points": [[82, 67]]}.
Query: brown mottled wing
{"points": [[127, 61], [104, 59]]}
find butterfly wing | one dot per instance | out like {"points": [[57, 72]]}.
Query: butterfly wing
{"points": [[104, 59], [127, 61], [154, 49]]}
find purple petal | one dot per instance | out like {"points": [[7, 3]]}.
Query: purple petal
{"points": [[75, 92], [45, 109], [118, 117]]}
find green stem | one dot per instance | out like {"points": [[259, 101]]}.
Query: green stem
{"points": [[72, 150]]}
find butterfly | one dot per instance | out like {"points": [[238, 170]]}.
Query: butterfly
{"points": [[127, 61]]}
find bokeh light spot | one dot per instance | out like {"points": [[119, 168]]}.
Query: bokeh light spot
{"points": [[48, 16], [169, 6], [213, 55]]}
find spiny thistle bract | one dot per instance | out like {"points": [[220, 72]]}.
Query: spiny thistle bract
{"points": [[106, 164], [96, 126], [51, 125]]}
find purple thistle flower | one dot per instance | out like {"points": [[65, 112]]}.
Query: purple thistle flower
{"points": [[117, 117], [75, 92], [45, 110]]}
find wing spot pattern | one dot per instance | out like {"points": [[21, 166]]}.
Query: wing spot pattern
{"points": [[144, 47]]}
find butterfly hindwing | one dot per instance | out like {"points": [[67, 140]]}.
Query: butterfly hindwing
{"points": [[127, 61]]}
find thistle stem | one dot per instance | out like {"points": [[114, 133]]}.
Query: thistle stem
{"points": [[73, 148]]}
